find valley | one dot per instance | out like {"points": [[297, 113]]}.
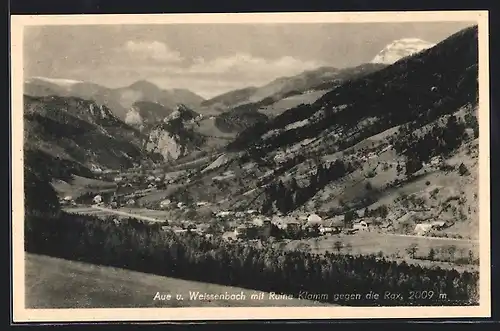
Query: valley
{"points": [[316, 179]]}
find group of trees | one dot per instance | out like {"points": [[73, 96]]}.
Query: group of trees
{"points": [[449, 253], [40, 198], [288, 198], [147, 248], [240, 118], [381, 211], [439, 141], [252, 135]]}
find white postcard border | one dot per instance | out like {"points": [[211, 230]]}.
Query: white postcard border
{"points": [[21, 314]]}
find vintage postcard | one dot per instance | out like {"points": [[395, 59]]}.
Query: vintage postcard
{"points": [[250, 166]]}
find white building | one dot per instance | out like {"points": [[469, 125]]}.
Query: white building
{"points": [[258, 221], [361, 225], [314, 219], [165, 203], [326, 230], [223, 214], [422, 229], [97, 199], [95, 169]]}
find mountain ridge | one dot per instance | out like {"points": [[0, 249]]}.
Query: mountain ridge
{"points": [[81, 132], [119, 100]]}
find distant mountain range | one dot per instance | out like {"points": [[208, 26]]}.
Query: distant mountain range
{"points": [[273, 91], [282, 94], [139, 120], [119, 100]]}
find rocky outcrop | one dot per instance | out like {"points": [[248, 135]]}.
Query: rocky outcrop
{"points": [[175, 137], [166, 144]]}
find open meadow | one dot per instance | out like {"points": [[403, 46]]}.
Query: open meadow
{"points": [[57, 283], [393, 246]]}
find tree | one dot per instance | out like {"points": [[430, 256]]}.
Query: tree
{"points": [[413, 164], [432, 254], [282, 246], [313, 185], [338, 246], [294, 186], [399, 168], [412, 250], [462, 170], [451, 250], [288, 203], [316, 244], [471, 256], [348, 248], [348, 219]]}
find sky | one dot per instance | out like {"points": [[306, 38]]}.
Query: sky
{"points": [[210, 59]]}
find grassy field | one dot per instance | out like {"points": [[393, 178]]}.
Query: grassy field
{"points": [[57, 283], [80, 185], [140, 213], [390, 245], [293, 101], [158, 195]]}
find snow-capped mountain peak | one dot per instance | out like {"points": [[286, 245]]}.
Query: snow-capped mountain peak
{"points": [[401, 48]]}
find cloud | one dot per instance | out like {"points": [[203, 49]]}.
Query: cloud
{"points": [[204, 87], [247, 64], [154, 50], [157, 62]]}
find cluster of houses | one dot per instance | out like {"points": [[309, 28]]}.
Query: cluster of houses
{"points": [[287, 226], [169, 204], [113, 201], [311, 225], [148, 181], [250, 224]]}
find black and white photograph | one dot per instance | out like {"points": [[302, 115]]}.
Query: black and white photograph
{"points": [[244, 166]]}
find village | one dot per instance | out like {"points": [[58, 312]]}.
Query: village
{"points": [[207, 219], [158, 195]]}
